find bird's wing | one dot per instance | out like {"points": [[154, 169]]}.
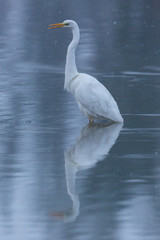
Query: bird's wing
{"points": [[93, 96]]}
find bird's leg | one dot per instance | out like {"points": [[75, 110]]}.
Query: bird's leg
{"points": [[90, 120]]}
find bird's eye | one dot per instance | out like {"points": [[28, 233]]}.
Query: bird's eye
{"points": [[66, 23]]}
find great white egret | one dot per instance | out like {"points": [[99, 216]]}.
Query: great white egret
{"points": [[93, 99]]}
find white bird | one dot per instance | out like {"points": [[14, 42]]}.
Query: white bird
{"points": [[93, 99]]}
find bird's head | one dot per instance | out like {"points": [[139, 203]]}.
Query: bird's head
{"points": [[66, 23]]}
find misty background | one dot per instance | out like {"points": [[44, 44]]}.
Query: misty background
{"points": [[56, 179]]}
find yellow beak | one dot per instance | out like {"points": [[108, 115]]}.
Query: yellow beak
{"points": [[56, 25]]}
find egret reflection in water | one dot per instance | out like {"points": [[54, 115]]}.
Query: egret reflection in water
{"points": [[92, 145]]}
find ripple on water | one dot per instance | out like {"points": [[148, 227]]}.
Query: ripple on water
{"points": [[141, 73]]}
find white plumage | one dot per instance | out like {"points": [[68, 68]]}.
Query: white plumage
{"points": [[93, 99]]}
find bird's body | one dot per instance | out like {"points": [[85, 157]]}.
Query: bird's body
{"points": [[93, 99], [85, 88]]}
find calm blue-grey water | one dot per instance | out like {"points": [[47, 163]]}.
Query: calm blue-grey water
{"points": [[59, 178]]}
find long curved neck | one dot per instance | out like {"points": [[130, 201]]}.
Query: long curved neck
{"points": [[70, 68]]}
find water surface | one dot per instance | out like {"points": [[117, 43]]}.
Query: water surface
{"points": [[60, 178]]}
